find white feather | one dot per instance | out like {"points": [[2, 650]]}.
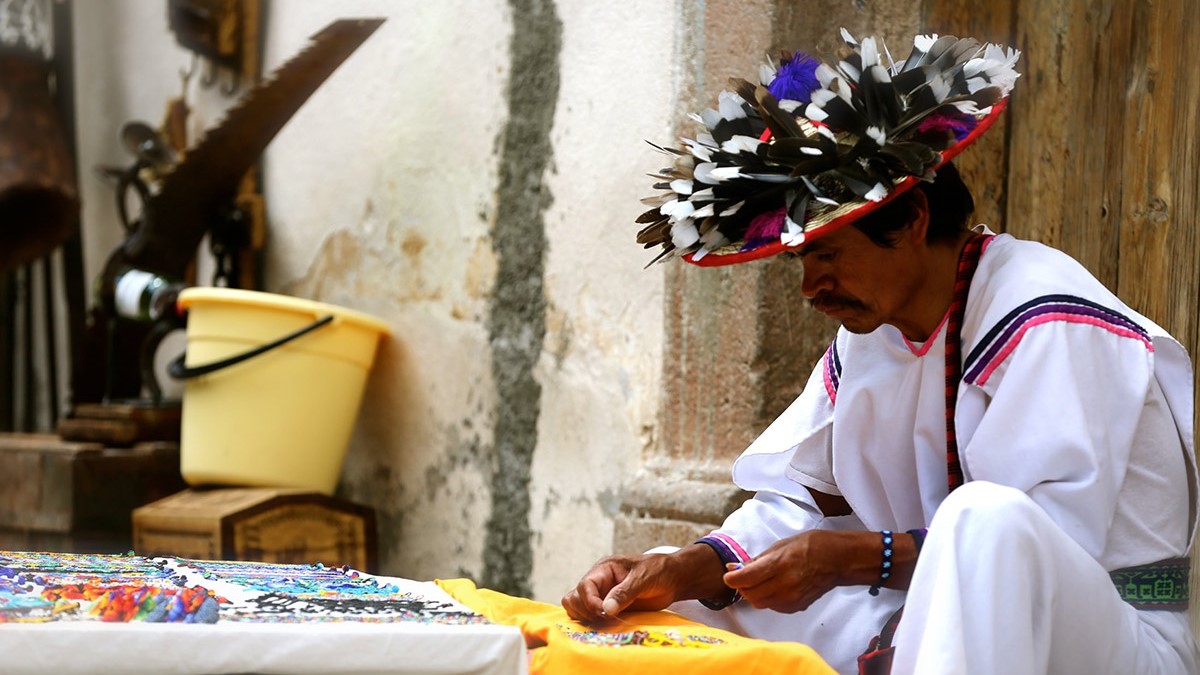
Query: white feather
{"points": [[940, 86], [815, 113], [816, 152], [966, 107], [681, 186], [924, 42], [848, 37], [870, 53], [739, 143], [710, 118], [996, 67], [698, 150], [730, 105], [848, 70], [974, 67], [877, 193], [791, 226], [878, 135], [839, 87], [703, 195], [766, 74], [770, 177], [825, 74], [792, 237], [822, 96], [974, 84], [703, 173], [680, 209], [684, 234], [703, 212], [724, 173]]}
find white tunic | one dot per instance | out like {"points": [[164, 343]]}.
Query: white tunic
{"points": [[1068, 396]]}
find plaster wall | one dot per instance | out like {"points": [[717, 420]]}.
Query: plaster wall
{"points": [[389, 191]]}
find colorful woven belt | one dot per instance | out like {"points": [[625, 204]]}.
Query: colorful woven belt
{"points": [[1159, 585]]}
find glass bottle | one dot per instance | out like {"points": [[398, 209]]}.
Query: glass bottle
{"points": [[144, 296]]}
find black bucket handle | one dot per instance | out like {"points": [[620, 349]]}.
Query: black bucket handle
{"points": [[179, 371]]}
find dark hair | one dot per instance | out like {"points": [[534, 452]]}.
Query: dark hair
{"points": [[950, 206]]}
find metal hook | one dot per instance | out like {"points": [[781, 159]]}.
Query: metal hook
{"points": [[186, 75], [234, 83], [209, 77]]}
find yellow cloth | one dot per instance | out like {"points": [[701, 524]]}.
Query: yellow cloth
{"points": [[649, 643]]}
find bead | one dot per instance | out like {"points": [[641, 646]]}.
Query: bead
{"points": [[885, 564]]}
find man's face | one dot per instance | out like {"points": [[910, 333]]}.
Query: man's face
{"points": [[859, 283]]}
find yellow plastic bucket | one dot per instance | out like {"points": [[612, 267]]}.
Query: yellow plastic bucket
{"points": [[272, 387]]}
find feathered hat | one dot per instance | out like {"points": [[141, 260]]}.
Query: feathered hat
{"points": [[814, 147]]}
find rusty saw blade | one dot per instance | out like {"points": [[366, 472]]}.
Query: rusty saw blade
{"points": [[194, 192]]}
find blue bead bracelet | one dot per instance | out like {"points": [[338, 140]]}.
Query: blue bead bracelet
{"points": [[885, 567]]}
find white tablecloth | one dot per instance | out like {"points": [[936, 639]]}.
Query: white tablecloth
{"points": [[87, 648], [272, 619]]}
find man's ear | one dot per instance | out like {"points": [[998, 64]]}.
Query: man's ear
{"points": [[918, 229]]}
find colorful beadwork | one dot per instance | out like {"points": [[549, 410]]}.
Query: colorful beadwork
{"points": [[40, 587], [640, 638]]}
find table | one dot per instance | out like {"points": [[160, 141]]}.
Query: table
{"points": [[71, 613]]}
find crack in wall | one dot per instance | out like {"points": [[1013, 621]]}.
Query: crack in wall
{"points": [[517, 323]]}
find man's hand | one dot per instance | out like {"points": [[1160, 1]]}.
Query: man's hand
{"points": [[644, 582], [794, 572]]}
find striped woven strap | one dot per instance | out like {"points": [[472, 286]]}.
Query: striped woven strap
{"points": [[967, 263]]}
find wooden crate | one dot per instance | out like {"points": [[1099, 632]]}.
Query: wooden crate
{"points": [[58, 495], [262, 524]]}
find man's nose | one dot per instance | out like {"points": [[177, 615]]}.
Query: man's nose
{"points": [[814, 281]]}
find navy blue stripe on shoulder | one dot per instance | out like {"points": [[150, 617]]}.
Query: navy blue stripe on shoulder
{"points": [[994, 340]]}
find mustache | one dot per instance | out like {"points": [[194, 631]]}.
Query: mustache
{"points": [[829, 301]]}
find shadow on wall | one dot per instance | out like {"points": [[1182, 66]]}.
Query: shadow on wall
{"points": [[373, 468]]}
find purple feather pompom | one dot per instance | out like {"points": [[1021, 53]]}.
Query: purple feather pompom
{"points": [[796, 79], [941, 122], [764, 229]]}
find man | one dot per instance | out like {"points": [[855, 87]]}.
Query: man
{"points": [[993, 439]]}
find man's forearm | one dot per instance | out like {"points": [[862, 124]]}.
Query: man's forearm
{"points": [[700, 572]]}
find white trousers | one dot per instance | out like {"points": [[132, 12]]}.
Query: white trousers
{"points": [[1000, 588]]}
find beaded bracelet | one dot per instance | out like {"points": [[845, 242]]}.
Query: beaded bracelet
{"points": [[885, 568]]}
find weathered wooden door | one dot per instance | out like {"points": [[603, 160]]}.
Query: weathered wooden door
{"points": [[1101, 154]]}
